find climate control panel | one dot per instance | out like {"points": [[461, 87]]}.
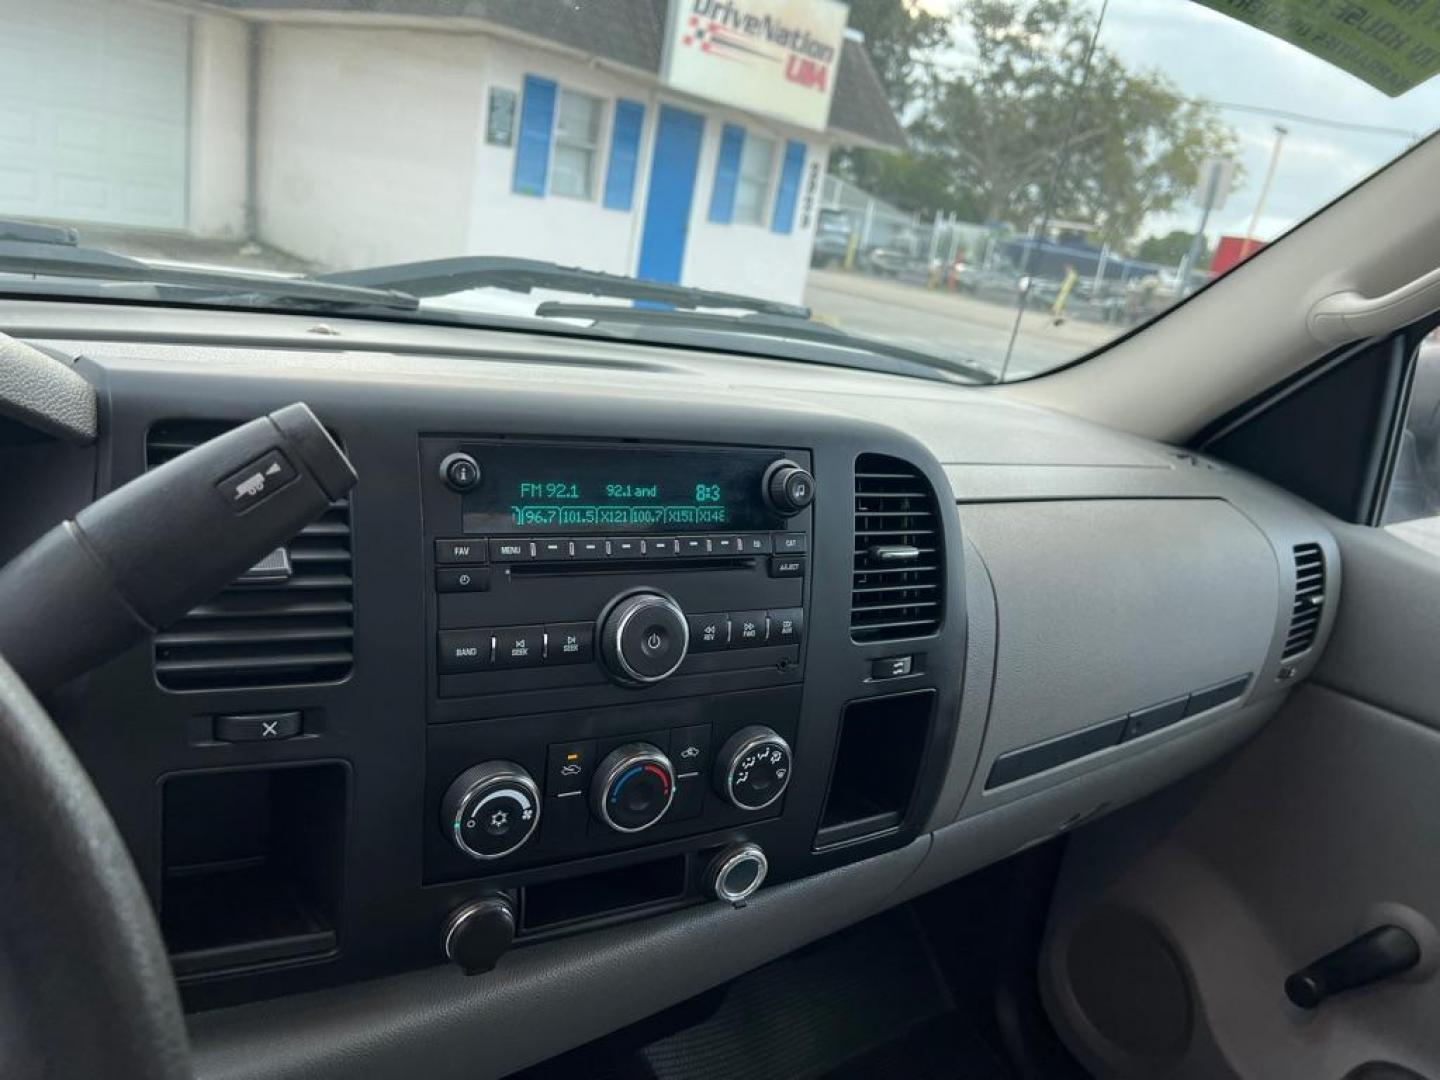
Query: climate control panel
{"points": [[559, 786]]}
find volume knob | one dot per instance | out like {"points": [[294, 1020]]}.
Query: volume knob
{"points": [[643, 638]]}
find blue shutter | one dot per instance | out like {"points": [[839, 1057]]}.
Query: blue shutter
{"points": [[788, 193], [727, 171], [532, 151], [624, 154]]}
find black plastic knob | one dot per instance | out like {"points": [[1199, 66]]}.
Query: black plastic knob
{"points": [[1379, 954], [491, 810], [461, 472], [643, 638], [633, 787], [789, 488], [753, 768], [477, 934]]}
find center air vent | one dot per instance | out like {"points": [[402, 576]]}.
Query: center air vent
{"points": [[899, 584], [286, 622], [1309, 600]]}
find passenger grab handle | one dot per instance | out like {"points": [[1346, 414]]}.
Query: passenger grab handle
{"points": [[1349, 316]]}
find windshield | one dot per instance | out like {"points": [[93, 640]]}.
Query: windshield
{"points": [[976, 190]]}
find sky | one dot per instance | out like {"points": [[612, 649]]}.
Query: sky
{"points": [[1210, 56]]}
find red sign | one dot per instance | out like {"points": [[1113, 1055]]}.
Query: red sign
{"points": [[1231, 251]]}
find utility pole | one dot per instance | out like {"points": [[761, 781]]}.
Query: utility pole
{"points": [[1187, 268], [1280, 133]]}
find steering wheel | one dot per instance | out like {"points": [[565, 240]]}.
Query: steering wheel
{"points": [[85, 983]]}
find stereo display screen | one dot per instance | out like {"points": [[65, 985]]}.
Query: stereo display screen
{"points": [[586, 489]]}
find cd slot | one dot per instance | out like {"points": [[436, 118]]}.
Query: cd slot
{"points": [[630, 566]]}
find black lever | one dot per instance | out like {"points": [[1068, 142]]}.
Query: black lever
{"points": [[141, 557], [1376, 955]]}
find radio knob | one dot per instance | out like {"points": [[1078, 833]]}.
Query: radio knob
{"points": [[753, 768], [643, 638], [633, 787], [491, 810], [460, 471], [789, 488]]}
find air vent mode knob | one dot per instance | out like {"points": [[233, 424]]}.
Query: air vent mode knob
{"points": [[753, 768], [789, 488], [643, 638], [491, 810]]}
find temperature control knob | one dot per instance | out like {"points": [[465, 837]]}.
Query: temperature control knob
{"points": [[633, 787], [643, 638], [753, 769], [789, 488], [491, 809]]}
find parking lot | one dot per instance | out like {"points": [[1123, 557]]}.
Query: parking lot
{"points": [[951, 325]]}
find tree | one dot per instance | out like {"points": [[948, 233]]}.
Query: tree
{"points": [[899, 36], [1169, 249], [1025, 123]]}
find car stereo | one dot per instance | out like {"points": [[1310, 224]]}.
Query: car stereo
{"points": [[617, 643]]}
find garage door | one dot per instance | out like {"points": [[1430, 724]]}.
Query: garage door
{"points": [[94, 98]]}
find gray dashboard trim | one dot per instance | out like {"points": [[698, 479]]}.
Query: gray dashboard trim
{"points": [[542, 999]]}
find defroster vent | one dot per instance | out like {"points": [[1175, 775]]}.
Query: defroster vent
{"points": [[286, 622], [1309, 600], [899, 580]]}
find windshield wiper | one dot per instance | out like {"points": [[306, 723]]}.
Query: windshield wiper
{"points": [[763, 325], [48, 251], [442, 277]]}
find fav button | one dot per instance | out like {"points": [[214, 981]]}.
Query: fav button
{"points": [[461, 551], [519, 646]]}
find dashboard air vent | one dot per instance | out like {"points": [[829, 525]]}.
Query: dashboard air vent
{"points": [[1309, 600], [287, 621], [899, 585]]}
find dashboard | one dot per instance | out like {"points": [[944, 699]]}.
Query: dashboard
{"points": [[632, 664]]}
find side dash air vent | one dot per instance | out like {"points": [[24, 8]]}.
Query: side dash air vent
{"points": [[287, 621], [899, 584], [1309, 600]]}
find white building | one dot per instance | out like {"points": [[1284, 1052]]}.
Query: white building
{"points": [[674, 139]]}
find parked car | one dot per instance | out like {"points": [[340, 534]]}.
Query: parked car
{"points": [[833, 229]]}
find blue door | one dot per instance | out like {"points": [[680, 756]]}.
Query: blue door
{"points": [[672, 189]]}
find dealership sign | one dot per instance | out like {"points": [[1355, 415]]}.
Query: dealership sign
{"points": [[776, 57]]}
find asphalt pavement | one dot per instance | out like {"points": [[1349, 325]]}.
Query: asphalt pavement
{"points": [[958, 327]]}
